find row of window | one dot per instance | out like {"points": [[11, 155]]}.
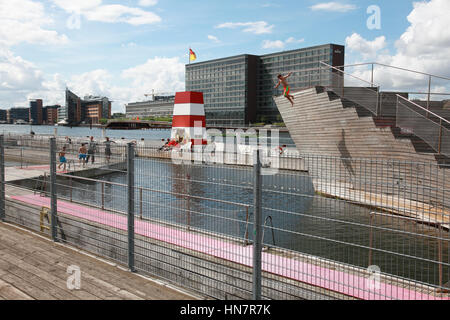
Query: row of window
{"points": [[302, 53]]}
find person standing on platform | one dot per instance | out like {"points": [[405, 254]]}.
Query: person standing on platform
{"points": [[108, 149], [62, 158], [91, 150], [82, 154]]}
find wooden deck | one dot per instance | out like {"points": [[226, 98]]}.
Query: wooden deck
{"points": [[34, 268], [347, 281]]}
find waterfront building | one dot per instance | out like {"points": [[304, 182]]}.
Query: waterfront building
{"points": [[95, 108], [239, 90], [21, 115], [50, 114], [160, 106], [35, 111], [90, 109], [3, 115]]}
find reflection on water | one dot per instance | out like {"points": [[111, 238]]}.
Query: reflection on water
{"points": [[304, 222]]}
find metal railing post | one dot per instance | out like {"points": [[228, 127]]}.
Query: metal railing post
{"points": [[370, 239], [140, 203], [429, 94], [21, 157], [372, 77], [2, 179], [246, 226], [53, 196], [440, 136], [440, 254], [71, 189], [130, 176], [257, 243], [103, 195]]}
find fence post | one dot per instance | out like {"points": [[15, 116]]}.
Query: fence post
{"points": [[2, 178], [371, 81], [130, 176], [257, 243], [53, 197], [429, 94]]}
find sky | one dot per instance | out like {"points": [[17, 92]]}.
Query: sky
{"points": [[126, 49]]}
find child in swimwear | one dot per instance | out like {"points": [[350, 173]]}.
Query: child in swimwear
{"points": [[282, 80], [62, 158], [82, 154]]}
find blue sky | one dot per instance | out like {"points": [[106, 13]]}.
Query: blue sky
{"points": [[124, 49]]}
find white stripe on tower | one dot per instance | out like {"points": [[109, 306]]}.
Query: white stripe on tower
{"points": [[188, 109]]}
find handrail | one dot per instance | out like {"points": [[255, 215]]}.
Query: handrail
{"points": [[348, 74], [154, 190], [264, 228], [394, 67], [424, 109]]}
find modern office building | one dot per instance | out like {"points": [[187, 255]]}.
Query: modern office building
{"points": [[35, 111], [50, 114], [3, 115], [95, 108], [90, 109], [239, 90], [160, 106], [70, 113], [18, 115]]}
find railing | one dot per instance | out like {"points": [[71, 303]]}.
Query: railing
{"points": [[365, 95], [192, 218], [410, 119]]}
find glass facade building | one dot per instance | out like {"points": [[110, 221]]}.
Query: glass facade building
{"points": [[239, 90]]}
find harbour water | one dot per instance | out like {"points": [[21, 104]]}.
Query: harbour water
{"points": [[303, 221], [146, 134]]}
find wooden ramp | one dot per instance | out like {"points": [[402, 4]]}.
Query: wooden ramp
{"points": [[348, 281], [33, 268]]}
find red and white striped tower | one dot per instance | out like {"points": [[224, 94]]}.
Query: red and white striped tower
{"points": [[189, 117]]}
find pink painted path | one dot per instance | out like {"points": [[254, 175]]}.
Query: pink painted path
{"points": [[338, 281]]}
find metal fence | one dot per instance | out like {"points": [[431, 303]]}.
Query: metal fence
{"points": [[337, 229]]}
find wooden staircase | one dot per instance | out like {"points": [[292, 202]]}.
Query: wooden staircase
{"points": [[363, 149]]}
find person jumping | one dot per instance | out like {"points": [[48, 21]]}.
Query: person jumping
{"points": [[282, 80]]}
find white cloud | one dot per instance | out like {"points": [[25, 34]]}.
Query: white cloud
{"points": [[424, 46], [279, 44], [17, 78], [268, 44], [25, 21], [161, 74], [258, 27], [129, 45], [368, 49], [213, 38], [147, 3], [20, 80], [333, 6], [96, 11]]}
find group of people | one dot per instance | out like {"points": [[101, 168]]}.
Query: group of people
{"points": [[84, 153], [174, 143]]}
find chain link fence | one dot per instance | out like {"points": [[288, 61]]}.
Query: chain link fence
{"points": [[333, 228]]}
